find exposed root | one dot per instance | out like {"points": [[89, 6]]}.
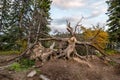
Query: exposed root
{"points": [[77, 55], [83, 62], [37, 51]]}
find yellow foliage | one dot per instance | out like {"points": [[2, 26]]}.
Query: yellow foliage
{"points": [[98, 36]]}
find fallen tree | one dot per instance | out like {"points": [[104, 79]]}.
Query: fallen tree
{"points": [[43, 53], [38, 52]]}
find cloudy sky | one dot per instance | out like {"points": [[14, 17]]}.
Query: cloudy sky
{"points": [[93, 12]]}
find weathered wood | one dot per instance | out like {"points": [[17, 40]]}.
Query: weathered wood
{"points": [[40, 52]]}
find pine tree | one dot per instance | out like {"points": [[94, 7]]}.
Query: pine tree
{"points": [[5, 9], [114, 19], [21, 19]]}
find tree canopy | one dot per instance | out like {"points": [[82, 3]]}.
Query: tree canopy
{"points": [[114, 20]]}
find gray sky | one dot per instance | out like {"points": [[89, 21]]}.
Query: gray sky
{"points": [[93, 12]]}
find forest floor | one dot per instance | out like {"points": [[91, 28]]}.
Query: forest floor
{"points": [[92, 69]]}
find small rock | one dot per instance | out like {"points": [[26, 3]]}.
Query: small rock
{"points": [[32, 73], [43, 77]]}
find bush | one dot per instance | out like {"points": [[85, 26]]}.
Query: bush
{"points": [[100, 36], [23, 64], [15, 66], [26, 63]]}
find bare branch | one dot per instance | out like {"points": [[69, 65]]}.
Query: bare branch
{"points": [[52, 46], [78, 24], [69, 28], [90, 44], [37, 34], [56, 39]]}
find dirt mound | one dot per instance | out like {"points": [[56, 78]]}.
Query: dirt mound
{"points": [[74, 69]]}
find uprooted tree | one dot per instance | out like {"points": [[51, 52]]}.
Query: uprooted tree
{"points": [[66, 46]]}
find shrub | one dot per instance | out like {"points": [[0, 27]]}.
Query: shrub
{"points": [[15, 66], [23, 64], [100, 36], [26, 63]]}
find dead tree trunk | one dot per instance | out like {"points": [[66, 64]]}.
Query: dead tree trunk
{"points": [[70, 49], [40, 52]]}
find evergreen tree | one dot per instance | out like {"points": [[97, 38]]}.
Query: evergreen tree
{"points": [[114, 19], [5, 9], [21, 19]]}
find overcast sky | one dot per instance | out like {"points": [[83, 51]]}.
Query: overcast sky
{"points": [[93, 12]]}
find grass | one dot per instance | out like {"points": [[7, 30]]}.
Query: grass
{"points": [[9, 52], [15, 66], [23, 64], [113, 63], [111, 52]]}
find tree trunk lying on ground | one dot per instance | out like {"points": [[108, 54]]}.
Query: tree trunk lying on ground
{"points": [[37, 51], [44, 54]]}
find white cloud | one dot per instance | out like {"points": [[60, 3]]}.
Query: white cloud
{"points": [[73, 9], [67, 4], [99, 3], [59, 28], [93, 15], [60, 23], [97, 8]]}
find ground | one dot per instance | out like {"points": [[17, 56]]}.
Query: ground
{"points": [[92, 69]]}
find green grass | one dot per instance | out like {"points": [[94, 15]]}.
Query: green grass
{"points": [[9, 52], [111, 52], [15, 66], [26, 63], [23, 64]]}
